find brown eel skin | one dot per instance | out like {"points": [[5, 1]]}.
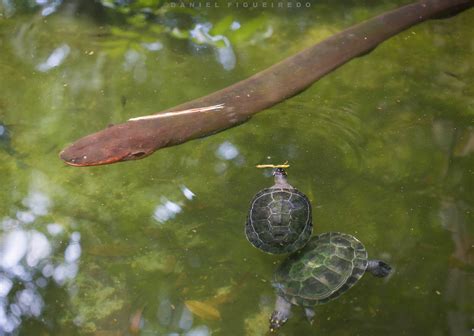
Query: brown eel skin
{"points": [[137, 139]]}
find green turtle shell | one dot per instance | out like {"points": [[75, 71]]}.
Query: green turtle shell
{"points": [[326, 267], [279, 220]]}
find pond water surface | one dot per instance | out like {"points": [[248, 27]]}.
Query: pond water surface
{"points": [[383, 147]]}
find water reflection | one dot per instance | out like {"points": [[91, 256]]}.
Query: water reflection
{"points": [[187, 192], [199, 331], [221, 44], [457, 283], [456, 143], [48, 7], [28, 261], [153, 46], [135, 62], [56, 58], [227, 152], [168, 209]]}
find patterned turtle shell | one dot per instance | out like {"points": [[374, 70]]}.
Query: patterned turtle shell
{"points": [[326, 267], [279, 219]]}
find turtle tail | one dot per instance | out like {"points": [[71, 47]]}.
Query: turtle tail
{"points": [[379, 268]]}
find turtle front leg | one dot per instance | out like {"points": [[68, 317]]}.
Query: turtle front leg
{"points": [[378, 268], [281, 314], [309, 315]]}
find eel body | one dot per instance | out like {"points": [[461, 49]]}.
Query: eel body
{"points": [[140, 137]]}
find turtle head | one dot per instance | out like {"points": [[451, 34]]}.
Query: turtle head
{"points": [[281, 313], [277, 320], [281, 180], [279, 172]]}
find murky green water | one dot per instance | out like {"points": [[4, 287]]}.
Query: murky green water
{"points": [[383, 147]]}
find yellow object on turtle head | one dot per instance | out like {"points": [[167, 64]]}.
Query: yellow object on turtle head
{"points": [[285, 165]]}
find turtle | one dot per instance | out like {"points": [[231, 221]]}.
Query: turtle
{"points": [[279, 219], [325, 268]]}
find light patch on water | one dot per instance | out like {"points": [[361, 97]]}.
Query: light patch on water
{"points": [[54, 229], [227, 151], [13, 248], [5, 285], [186, 319], [132, 57], [30, 302], [21, 253], [135, 62], [25, 216], [187, 192], [220, 167], [56, 58], [8, 322], [60, 274], [48, 10], [38, 202], [222, 46], [68, 270], [226, 56], [9, 224], [20, 272], [153, 46], [41, 282], [48, 270], [73, 252], [39, 248], [260, 37], [76, 236], [235, 25], [49, 6], [167, 210], [201, 330]]}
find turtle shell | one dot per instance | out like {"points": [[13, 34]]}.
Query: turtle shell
{"points": [[326, 267], [279, 220]]}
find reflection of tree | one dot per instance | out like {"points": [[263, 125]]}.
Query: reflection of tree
{"points": [[458, 293], [30, 260]]}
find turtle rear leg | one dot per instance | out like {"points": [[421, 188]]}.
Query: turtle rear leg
{"points": [[378, 268], [309, 315]]}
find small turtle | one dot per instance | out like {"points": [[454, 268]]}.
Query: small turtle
{"points": [[326, 267], [279, 219]]}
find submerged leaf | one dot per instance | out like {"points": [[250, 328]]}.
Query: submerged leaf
{"points": [[203, 310]]}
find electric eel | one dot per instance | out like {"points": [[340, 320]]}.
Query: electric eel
{"points": [[235, 104]]}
